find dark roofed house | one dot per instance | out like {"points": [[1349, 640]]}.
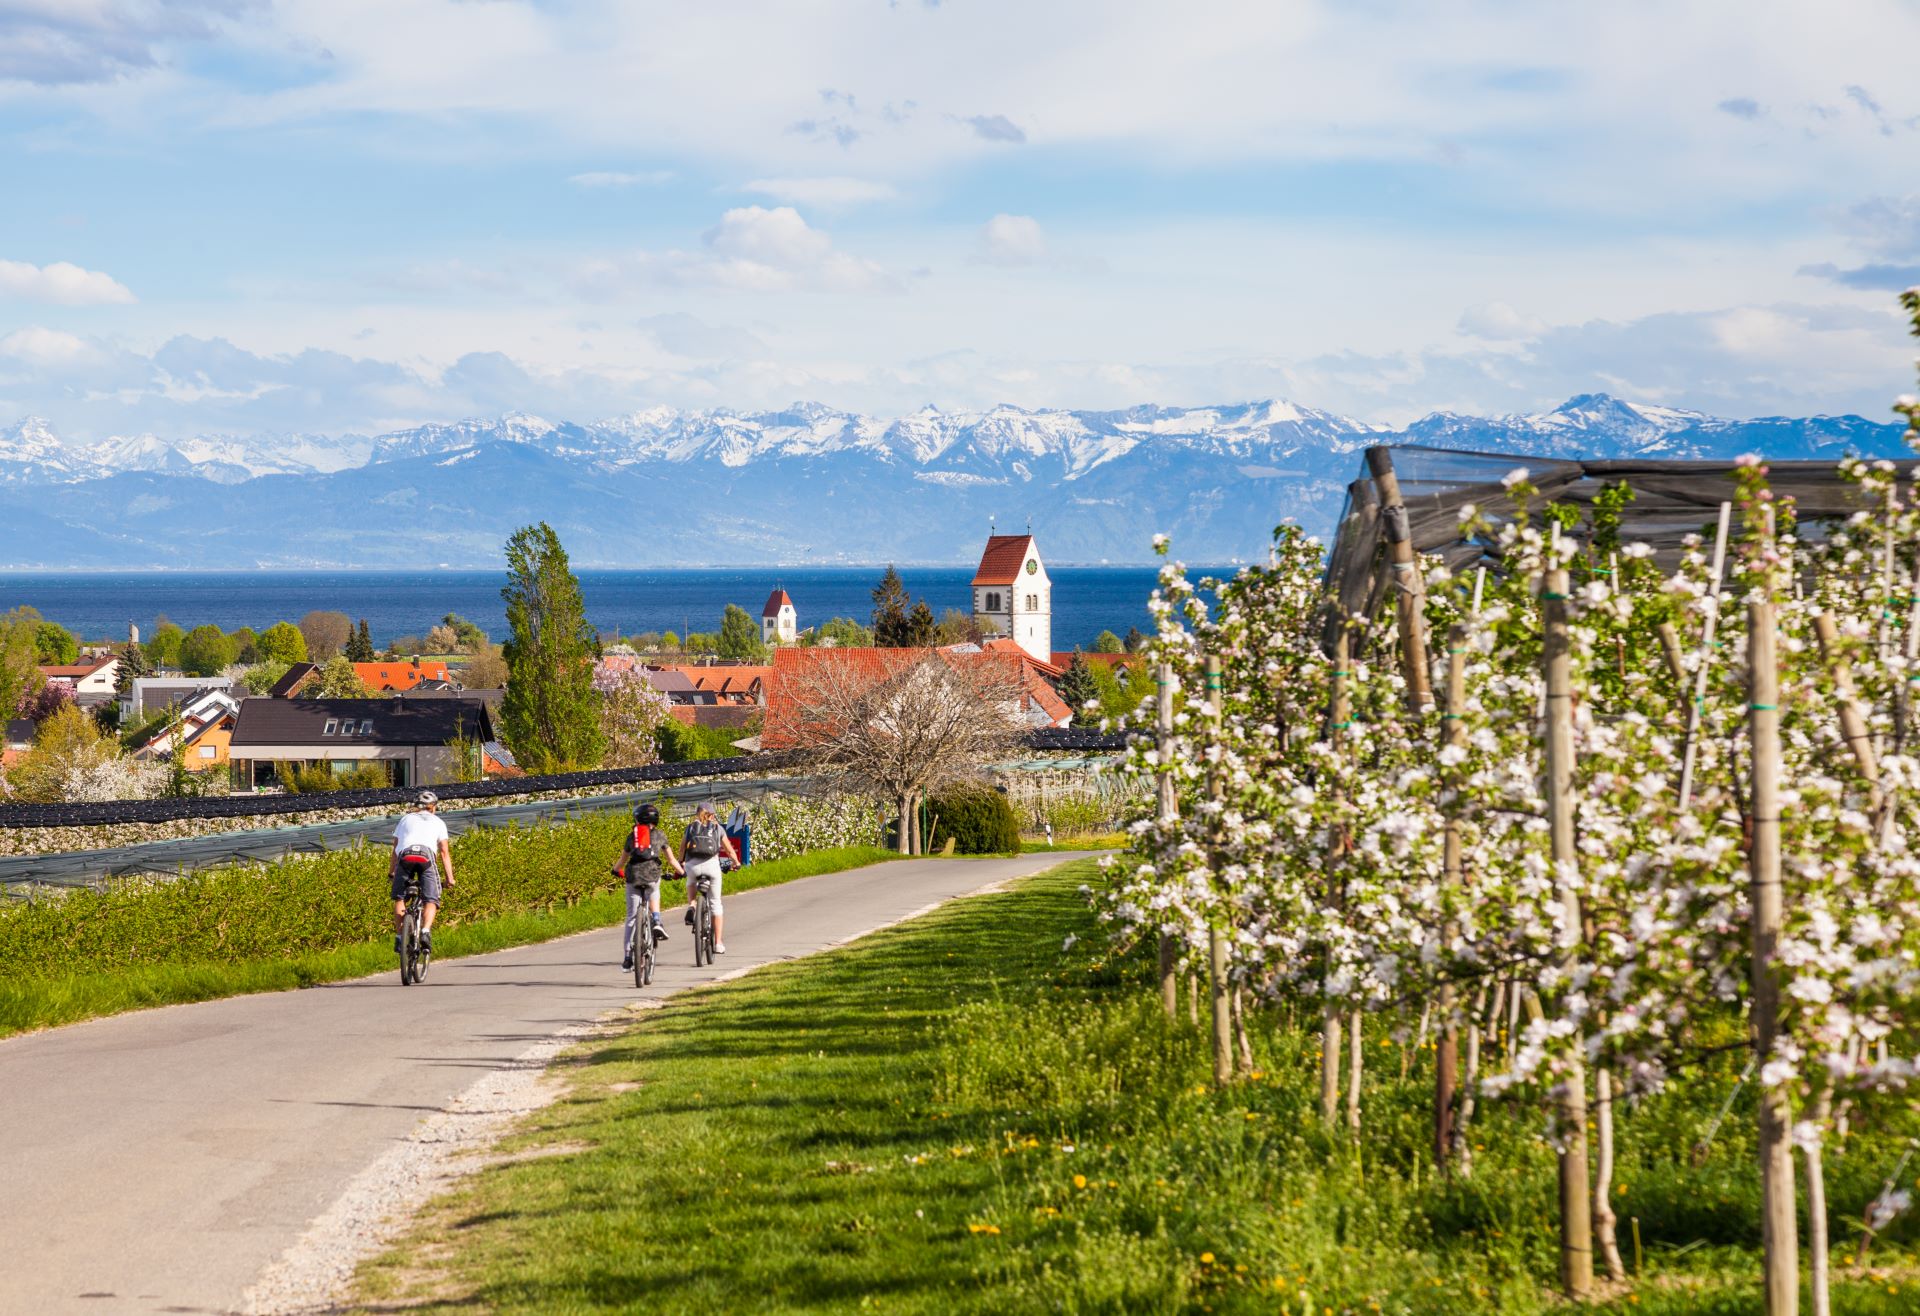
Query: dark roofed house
{"points": [[413, 738], [298, 677]]}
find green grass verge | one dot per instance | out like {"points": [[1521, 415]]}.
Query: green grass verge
{"points": [[1070, 844], [156, 938], [957, 1115]]}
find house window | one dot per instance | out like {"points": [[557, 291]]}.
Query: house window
{"points": [[993, 603], [366, 726], [333, 724], [206, 751]]}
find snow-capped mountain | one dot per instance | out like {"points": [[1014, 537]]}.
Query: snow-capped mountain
{"points": [[807, 482]]}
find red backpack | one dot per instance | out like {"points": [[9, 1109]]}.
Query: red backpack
{"points": [[642, 843]]}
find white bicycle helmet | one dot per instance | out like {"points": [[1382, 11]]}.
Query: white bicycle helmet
{"points": [[426, 799]]}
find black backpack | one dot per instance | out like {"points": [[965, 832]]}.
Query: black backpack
{"points": [[703, 840]]}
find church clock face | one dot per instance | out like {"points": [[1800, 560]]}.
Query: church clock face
{"points": [[1033, 566]]}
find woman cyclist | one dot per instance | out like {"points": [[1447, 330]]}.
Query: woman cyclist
{"points": [[700, 851]]}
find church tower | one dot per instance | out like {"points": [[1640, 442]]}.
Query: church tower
{"points": [[1012, 595]]}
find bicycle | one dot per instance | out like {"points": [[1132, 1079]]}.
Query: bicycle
{"points": [[413, 955], [701, 889]]}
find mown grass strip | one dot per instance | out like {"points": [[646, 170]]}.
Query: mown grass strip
{"points": [[963, 1115], [174, 942]]}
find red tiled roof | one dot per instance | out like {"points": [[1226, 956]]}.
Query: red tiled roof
{"points": [[878, 665], [1002, 644], [775, 601], [1001, 563], [76, 670], [399, 676]]}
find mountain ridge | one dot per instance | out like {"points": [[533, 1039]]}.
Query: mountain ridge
{"points": [[807, 482]]}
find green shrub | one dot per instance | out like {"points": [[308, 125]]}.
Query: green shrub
{"points": [[319, 778], [680, 743], [979, 821]]}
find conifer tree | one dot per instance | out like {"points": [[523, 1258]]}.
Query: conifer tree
{"points": [[890, 611], [1077, 688], [921, 627], [548, 716], [360, 644]]}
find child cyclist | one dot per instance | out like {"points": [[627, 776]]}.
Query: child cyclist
{"points": [[647, 851]]}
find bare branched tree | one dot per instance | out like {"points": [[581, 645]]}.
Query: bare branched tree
{"points": [[895, 724]]}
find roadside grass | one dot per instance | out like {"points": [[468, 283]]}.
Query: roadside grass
{"points": [[1065, 843], [168, 943], [962, 1115]]}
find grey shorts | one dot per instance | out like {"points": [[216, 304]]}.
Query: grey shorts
{"points": [[429, 884]]}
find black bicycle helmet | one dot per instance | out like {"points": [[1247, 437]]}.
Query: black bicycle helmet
{"points": [[648, 813]]}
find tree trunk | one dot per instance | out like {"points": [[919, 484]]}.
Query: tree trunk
{"points": [[1777, 1225], [1169, 977], [1243, 1044], [904, 841], [1446, 1054], [1330, 1038], [1819, 1246], [1605, 1223], [1576, 1218], [1216, 935], [1356, 1059]]}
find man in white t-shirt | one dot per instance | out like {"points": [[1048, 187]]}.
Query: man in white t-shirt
{"points": [[419, 832]]}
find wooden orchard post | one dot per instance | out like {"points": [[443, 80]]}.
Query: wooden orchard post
{"points": [[1446, 1050], [1340, 713], [1691, 749], [1409, 588], [1779, 1230], [1216, 938], [1576, 1213], [1169, 812]]}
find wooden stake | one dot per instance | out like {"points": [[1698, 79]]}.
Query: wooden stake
{"points": [[1819, 1246], [1409, 588], [1446, 1053], [1576, 1216], [1216, 935], [1356, 1061], [1691, 748], [1778, 1231], [1330, 1038], [1339, 714], [1169, 812], [1605, 1224]]}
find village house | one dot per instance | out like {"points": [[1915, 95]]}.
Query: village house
{"points": [[202, 734], [1012, 595], [92, 681], [1034, 704], [414, 739], [150, 694], [779, 622]]}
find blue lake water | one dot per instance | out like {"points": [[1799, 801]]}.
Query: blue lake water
{"points": [[98, 605]]}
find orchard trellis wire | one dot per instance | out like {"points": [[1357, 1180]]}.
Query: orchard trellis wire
{"points": [[1599, 769]]}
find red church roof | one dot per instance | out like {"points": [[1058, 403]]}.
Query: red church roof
{"points": [[1001, 563], [776, 601]]}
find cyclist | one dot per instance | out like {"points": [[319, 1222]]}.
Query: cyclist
{"points": [[701, 849], [641, 863], [421, 831]]}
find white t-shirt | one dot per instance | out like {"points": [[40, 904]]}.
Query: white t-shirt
{"points": [[419, 828]]}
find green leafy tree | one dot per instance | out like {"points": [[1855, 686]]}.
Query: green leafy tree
{"points": [[262, 677], [486, 670], [549, 716], [890, 611], [359, 647], [739, 637], [670, 641], [469, 638], [842, 632], [922, 629], [338, 680], [1078, 688], [1108, 642], [702, 642], [283, 642], [246, 645], [55, 644], [1122, 689], [163, 648], [957, 626], [326, 634], [205, 651]]}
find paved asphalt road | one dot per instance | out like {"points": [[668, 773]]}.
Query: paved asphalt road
{"points": [[158, 1161]]}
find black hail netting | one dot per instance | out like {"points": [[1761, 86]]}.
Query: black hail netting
{"points": [[1672, 499]]}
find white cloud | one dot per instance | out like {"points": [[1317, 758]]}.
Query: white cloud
{"points": [[650, 178], [829, 193], [1498, 322], [51, 349], [1011, 240], [61, 283]]}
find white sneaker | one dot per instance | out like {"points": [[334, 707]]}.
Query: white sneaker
{"points": [[720, 948]]}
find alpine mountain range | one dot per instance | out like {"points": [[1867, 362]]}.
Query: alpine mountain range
{"points": [[811, 484]]}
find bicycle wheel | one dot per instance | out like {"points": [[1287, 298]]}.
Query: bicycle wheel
{"points": [[643, 954], [699, 930], [410, 946]]}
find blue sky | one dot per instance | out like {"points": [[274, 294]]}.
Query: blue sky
{"points": [[331, 215]]}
